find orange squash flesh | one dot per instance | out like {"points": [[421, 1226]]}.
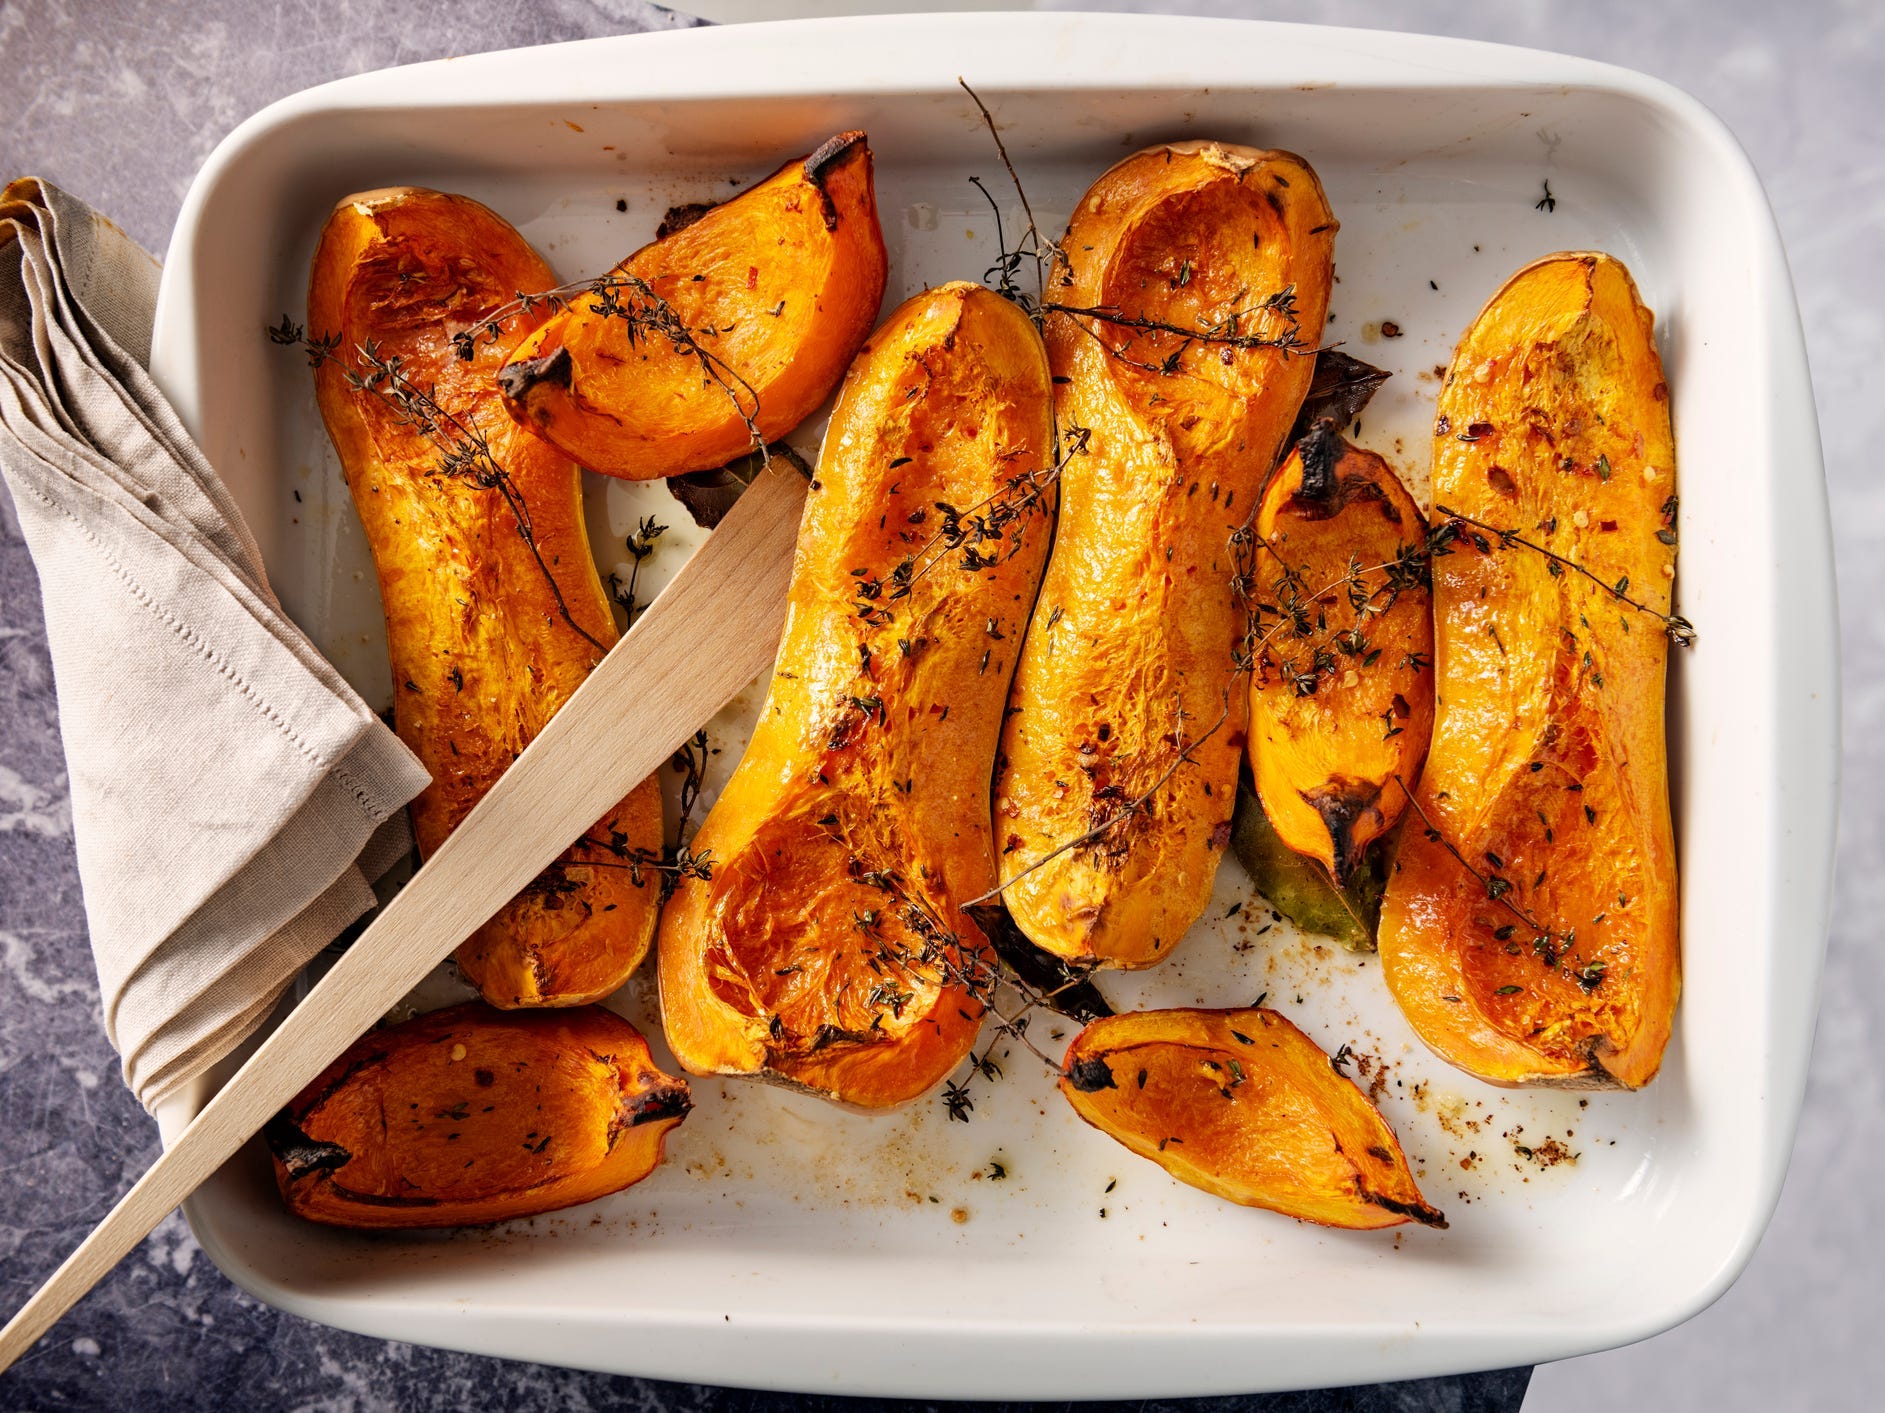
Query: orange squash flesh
{"points": [[1341, 700], [1130, 660], [481, 654], [1548, 770], [473, 1115], [1245, 1106], [857, 823], [778, 287]]}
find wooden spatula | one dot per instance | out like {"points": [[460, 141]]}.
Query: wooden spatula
{"points": [[715, 627]]}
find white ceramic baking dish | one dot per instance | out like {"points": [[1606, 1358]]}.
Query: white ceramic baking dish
{"points": [[789, 1245]]}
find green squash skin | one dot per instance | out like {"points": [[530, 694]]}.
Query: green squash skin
{"points": [[1299, 888]]}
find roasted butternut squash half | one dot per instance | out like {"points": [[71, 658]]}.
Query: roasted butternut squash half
{"points": [[1341, 695], [1247, 1107], [1128, 715], [494, 613], [829, 950], [735, 325], [473, 1115], [1529, 927]]}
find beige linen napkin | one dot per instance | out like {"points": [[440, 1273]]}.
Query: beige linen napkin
{"points": [[232, 798]]}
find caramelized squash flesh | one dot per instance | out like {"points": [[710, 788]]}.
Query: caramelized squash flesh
{"points": [[738, 324], [489, 630], [472, 1115], [1341, 697], [1529, 930], [1127, 710], [829, 950], [1245, 1106]]}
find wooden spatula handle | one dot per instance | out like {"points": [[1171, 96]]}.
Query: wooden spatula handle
{"points": [[711, 632]]}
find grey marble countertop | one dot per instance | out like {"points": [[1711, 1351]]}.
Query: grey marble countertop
{"points": [[119, 101]]}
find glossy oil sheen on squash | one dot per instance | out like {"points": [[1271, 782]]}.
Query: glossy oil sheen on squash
{"points": [[777, 288], [1245, 1106], [472, 1115], [1341, 699], [1130, 662], [1548, 770], [820, 953], [481, 653]]}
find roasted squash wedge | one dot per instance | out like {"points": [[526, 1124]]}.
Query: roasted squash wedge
{"points": [[473, 1115], [1529, 927], [828, 951], [770, 294], [1341, 695], [490, 629], [1127, 711], [1247, 1107]]}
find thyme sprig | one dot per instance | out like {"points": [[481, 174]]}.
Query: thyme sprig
{"points": [[673, 862], [1681, 632], [640, 545], [1498, 888], [977, 969], [1226, 331], [1551, 946], [672, 865], [924, 951], [942, 958], [646, 315], [997, 520], [1032, 245], [1124, 812], [1300, 612], [464, 450], [691, 761]]}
